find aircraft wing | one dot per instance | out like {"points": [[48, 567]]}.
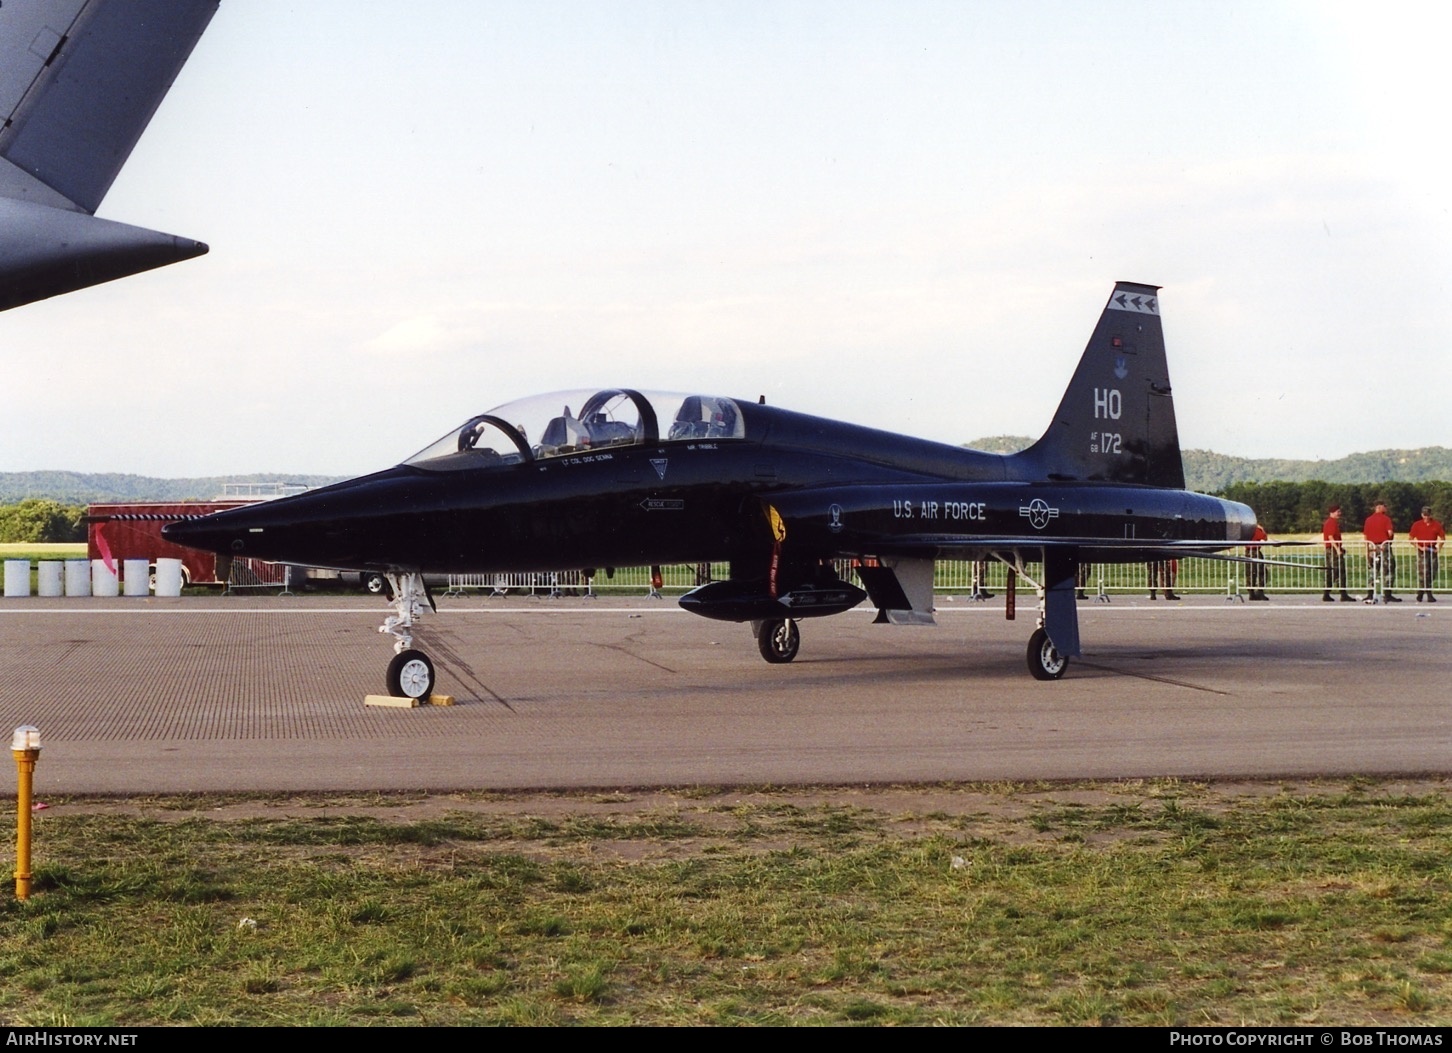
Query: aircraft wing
{"points": [[79, 82], [966, 545], [1119, 550]]}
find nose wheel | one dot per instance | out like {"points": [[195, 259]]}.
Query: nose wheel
{"points": [[411, 675]]}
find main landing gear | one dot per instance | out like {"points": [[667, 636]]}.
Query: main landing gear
{"points": [[1044, 662], [411, 673], [778, 639]]}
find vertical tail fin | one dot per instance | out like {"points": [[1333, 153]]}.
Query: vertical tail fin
{"points": [[1116, 422], [83, 81]]}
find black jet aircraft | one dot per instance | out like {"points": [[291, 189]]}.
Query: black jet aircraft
{"points": [[79, 82], [621, 478]]}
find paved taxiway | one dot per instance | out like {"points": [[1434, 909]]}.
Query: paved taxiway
{"points": [[195, 694]]}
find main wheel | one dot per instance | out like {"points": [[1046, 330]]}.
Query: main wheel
{"points": [[377, 584], [410, 675], [1044, 661], [778, 640]]}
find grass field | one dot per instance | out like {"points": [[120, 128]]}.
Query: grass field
{"points": [[35, 551], [1140, 903]]}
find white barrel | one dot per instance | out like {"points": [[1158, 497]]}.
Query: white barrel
{"points": [[17, 577], [136, 577], [168, 576], [78, 577], [103, 581], [48, 578]]}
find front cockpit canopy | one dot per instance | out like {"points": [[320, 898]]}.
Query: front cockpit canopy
{"points": [[545, 426]]}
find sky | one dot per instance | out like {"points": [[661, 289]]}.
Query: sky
{"points": [[905, 214]]}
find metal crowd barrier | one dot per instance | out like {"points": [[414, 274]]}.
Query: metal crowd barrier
{"points": [[248, 573], [1299, 569], [674, 578]]}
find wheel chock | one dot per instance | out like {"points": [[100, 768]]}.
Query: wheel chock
{"points": [[390, 701], [395, 702]]}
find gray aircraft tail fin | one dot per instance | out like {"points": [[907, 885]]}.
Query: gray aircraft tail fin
{"points": [[1116, 422], [79, 82]]}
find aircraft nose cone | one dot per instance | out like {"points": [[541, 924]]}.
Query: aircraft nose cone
{"points": [[197, 533], [350, 525]]}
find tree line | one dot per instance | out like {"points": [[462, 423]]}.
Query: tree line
{"points": [[39, 519], [1300, 508]]}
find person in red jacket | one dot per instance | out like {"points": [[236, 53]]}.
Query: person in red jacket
{"points": [[1379, 532], [1428, 535], [1335, 555], [1255, 572]]}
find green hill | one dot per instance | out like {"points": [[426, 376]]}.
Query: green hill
{"points": [[1210, 472], [1001, 443], [83, 488]]}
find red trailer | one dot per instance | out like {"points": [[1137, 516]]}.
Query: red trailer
{"points": [[133, 531]]}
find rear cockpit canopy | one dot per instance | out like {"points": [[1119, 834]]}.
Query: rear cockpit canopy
{"points": [[545, 426]]}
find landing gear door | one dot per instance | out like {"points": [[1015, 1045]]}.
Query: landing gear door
{"points": [[1061, 612], [902, 589]]}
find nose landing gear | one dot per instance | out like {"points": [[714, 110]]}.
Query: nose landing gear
{"points": [[411, 672]]}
